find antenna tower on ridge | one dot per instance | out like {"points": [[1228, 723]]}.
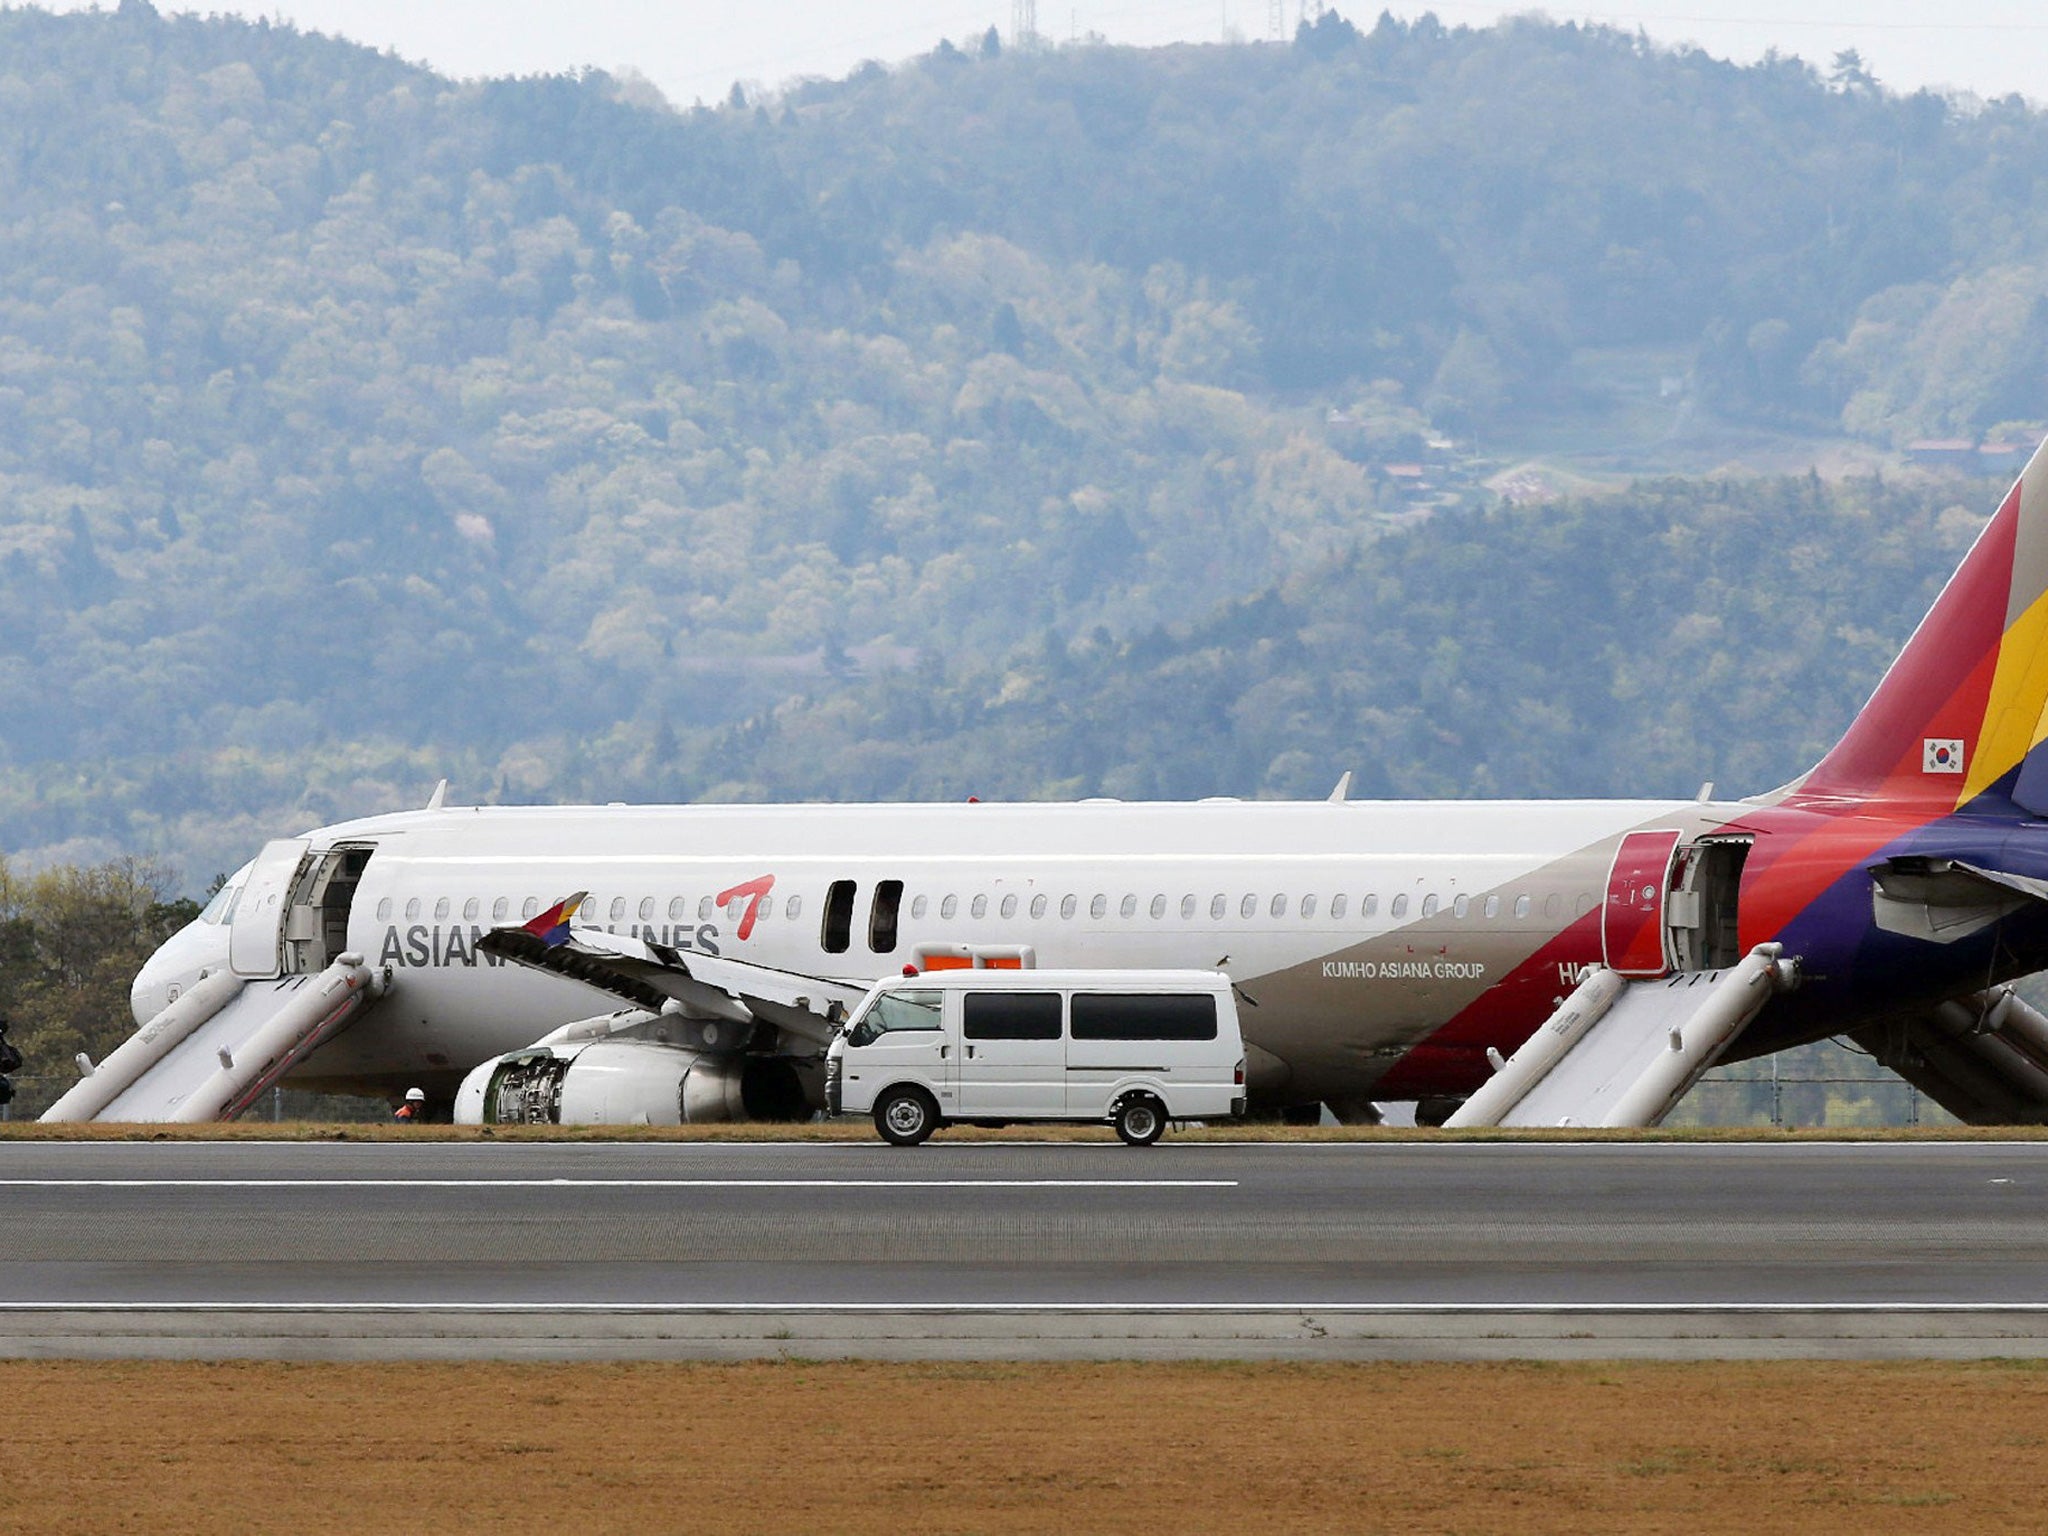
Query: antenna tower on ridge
{"points": [[1023, 23]]}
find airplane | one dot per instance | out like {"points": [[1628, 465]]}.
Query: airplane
{"points": [[1384, 951]]}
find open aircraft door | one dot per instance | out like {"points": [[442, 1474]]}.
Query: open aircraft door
{"points": [[256, 938], [1632, 920]]}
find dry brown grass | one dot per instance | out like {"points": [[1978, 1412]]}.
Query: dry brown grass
{"points": [[1012, 1447]]}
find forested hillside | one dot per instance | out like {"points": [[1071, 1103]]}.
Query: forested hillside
{"points": [[1626, 646], [1018, 421]]}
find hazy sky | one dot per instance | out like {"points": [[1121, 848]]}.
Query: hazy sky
{"points": [[693, 48]]}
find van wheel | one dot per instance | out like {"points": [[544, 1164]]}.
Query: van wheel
{"points": [[1140, 1121], [905, 1116]]}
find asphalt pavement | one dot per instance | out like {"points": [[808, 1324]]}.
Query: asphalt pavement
{"points": [[1048, 1249]]}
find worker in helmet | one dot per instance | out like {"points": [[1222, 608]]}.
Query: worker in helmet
{"points": [[414, 1110]]}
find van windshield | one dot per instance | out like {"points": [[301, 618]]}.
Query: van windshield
{"points": [[893, 1011]]}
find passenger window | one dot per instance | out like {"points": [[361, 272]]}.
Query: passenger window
{"points": [[470, 908], [1521, 906], [1218, 905], [1143, 1016], [412, 909], [1127, 908], [1248, 907], [1010, 1015], [919, 905], [441, 910], [1279, 907], [1158, 908], [1308, 906], [882, 916], [948, 907], [1099, 907], [978, 908], [1187, 909], [1337, 904], [1461, 905], [704, 910], [1038, 905], [892, 1010], [1009, 907], [1429, 906], [1553, 906], [1581, 904], [618, 910], [1067, 906], [792, 908], [647, 909], [837, 930], [763, 909], [1493, 906], [1398, 907], [384, 910], [530, 908], [1369, 906], [676, 908]]}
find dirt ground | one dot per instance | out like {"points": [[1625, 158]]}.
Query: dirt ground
{"points": [[802, 1446]]}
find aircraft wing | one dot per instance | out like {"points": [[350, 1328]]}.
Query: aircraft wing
{"points": [[1942, 900], [707, 987]]}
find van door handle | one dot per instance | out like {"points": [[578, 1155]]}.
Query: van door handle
{"points": [[943, 1048], [970, 1053]]}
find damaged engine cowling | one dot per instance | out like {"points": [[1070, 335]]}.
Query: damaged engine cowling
{"points": [[603, 1075]]}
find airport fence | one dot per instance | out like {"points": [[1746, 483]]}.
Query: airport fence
{"points": [[35, 1093], [1822, 1086]]}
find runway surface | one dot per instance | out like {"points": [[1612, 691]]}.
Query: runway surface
{"points": [[980, 1249]]}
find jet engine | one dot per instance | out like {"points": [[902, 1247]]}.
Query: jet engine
{"points": [[604, 1079]]}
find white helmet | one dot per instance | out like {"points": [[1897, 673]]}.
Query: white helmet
{"points": [[415, 1095]]}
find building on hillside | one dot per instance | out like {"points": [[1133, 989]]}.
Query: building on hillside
{"points": [[1943, 452]]}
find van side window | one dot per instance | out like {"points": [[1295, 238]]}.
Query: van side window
{"points": [[882, 916], [838, 927], [1143, 1016], [1010, 1015]]}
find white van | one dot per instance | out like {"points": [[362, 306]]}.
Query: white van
{"points": [[1133, 1048]]}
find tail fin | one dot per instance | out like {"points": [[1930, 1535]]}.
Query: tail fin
{"points": [[1964, 709], [552, 926]]}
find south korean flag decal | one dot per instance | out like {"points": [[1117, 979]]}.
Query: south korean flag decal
{"points": [[1939, 755]]}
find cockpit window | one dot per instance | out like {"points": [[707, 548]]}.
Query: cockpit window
{"points": [[222, 907], [896, 1010]]}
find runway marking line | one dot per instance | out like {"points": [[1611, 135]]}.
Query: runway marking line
{"points": [[1263, 1308], [617, 1184]]}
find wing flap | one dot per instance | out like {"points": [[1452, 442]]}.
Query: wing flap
{"points": [[709, 987]]}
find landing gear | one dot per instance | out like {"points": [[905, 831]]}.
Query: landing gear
{"points": [[1433, 1112]]}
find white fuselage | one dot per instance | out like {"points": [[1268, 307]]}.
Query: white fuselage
{"points": [[1354, 928]]}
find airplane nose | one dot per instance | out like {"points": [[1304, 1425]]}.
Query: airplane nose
{"points": [[191, 952], [150, 993]]}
